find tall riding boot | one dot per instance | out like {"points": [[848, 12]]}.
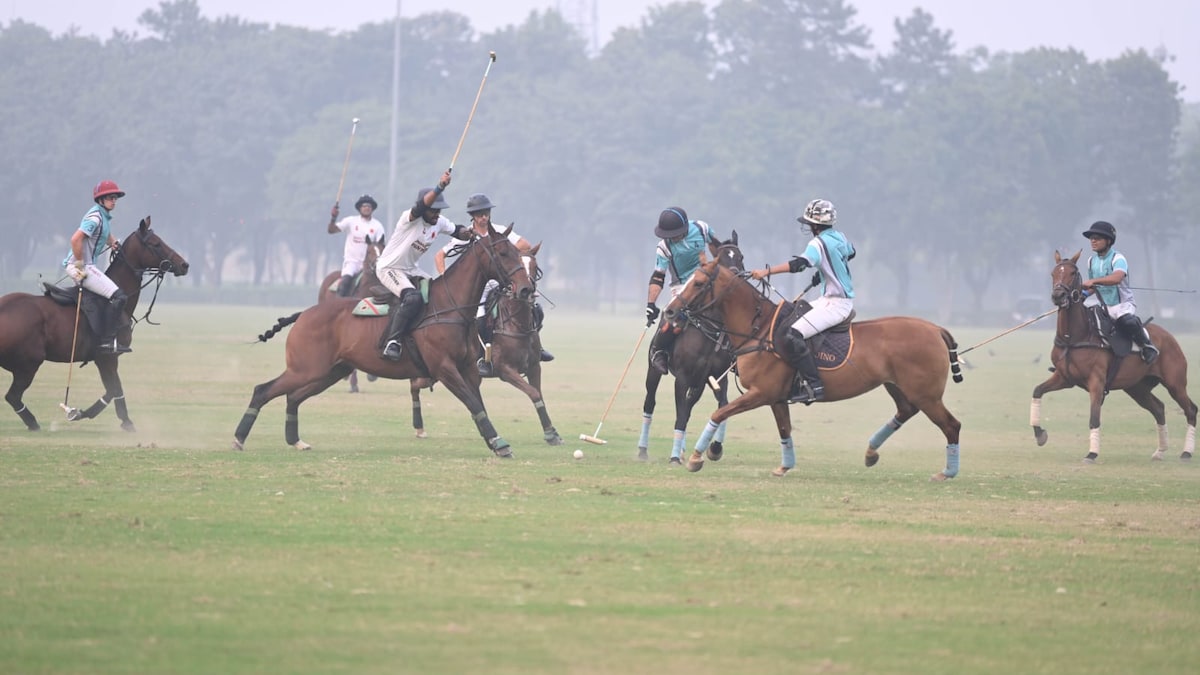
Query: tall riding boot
{"points": [[346, 286], [807, 387], [399, 319], [539, 317], [114, 317], [1138, 333], [660, 348]]}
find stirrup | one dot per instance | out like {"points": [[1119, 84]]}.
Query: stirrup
{"points": [[485, 368], [807, 393], [113, 347], [1149, 353], [393, 350]]}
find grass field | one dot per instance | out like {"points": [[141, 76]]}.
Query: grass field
{"points": [[164, 551]]}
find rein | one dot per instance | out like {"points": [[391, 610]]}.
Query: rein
{"points": [[434, 313], [158, 273]]}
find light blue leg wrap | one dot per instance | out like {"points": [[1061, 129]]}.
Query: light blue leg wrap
{"points": [[787, 453], [951, 469], [678, 444], [720, 438], [706, 436], [885, 432], [644, 439]]}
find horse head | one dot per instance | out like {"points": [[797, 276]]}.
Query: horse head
{"points": [[144, 251], [729, 255], [699, 294], [1066, 281], [507, 266]]}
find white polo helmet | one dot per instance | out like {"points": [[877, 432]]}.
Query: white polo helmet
{"points": [[819, 213]]}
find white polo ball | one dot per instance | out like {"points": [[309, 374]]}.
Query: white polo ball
{"points": [[578, 454]]}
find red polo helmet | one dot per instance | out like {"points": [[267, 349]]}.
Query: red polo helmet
{"points": [[105, 188]]}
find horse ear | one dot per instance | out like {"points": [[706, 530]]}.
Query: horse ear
{"points": [[1057, 257], [503, 232], [1075, 258], [145, 224], [534, 251], [733, 239]]}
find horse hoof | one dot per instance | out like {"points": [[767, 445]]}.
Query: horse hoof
{"points": [[716, 451], [1185, 456], [695, 462], [643, 455], [674, 461], [872, 458], [503, 453], [939, 477], [1040, 435], [1157, 456], [237, 445], [552, 438], [128, 426], [781, 471], [353, 390], [372, 377], [74, 415], [421, 433], [1091, 458], [301, 445]]}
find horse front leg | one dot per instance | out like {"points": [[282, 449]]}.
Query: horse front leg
{"points": [[465, 387], [685, 399], [1055, 383], [753, 398], [22, 378], [107, 365], [653, 378], [716, 449], [787, 450], [1096, 393], [533, 389], [414, 390]]}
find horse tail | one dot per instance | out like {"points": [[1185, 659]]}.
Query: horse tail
{"points": [[282, 323], [952, 347]]}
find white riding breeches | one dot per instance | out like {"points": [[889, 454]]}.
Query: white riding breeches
{"points": [[825, 313], [351, 267], [95, 282], [395, 281]]}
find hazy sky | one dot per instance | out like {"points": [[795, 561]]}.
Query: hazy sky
{"points": [[1099, 28]]}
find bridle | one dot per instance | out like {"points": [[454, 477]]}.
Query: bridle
{"points": [[1066, 294], [157, 249]]}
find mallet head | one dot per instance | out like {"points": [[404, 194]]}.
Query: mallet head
{"points": [[493, 55]]}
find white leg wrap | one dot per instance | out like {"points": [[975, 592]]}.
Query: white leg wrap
{"points": [[1189, 443], [1094, 441], [1035, 413], [1163, 446]]}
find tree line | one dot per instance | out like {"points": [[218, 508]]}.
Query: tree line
{"points": [[956, 171]]}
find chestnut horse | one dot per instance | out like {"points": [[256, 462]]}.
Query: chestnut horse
{"points": [[39, 328], [363, 282], [700, 351], [1081, 359], [910, 357], [328, 341], [516, 352]]}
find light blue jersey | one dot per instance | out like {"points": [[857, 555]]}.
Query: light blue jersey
{"points": [[834, 267], [683, 257], [95, 225], [1102, 266]]}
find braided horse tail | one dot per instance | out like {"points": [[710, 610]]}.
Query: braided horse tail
{"points": [[952, 346], [282, 323]]}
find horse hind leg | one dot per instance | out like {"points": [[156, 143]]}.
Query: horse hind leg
{"points": [[1143, 396], [904, 412], [414, 390], [1178, 392], [938, 414], [291, 427], [21, 381]]}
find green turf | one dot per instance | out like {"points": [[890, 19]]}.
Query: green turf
{"points": [[164, 551]]}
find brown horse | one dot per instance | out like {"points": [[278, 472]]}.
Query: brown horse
{"points": [[363, 282], [39, 328], [328, 341], [516, 352], [701, 351], [910, 357], [1082, 359]]}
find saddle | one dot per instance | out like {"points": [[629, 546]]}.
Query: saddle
{"points": [[831, 347], [1110, 338], [93, 307], [381, 299]]}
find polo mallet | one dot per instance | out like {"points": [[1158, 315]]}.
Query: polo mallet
{"points": [[595, 438], [997, 337], [346, 163], [72, 414], [491, 60]]}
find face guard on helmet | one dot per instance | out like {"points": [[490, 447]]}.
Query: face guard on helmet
{"points": [[819, 215]]}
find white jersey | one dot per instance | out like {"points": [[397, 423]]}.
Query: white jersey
{"points": [[409, 241], [360, 232]]}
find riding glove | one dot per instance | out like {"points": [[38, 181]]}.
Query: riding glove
{"points": [[651, 313]]}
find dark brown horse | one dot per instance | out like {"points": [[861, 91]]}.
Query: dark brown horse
{"points": [[328, 341], [38, 328], [700, 351], [910, 357], [516, 352], [1081, 359], [363, 282]]}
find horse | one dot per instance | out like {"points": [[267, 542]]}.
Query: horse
{"points": [[516, 352], [701, 351], [327, 341], [39, 328], [1081, 358], [363, 282], [909, 356]]}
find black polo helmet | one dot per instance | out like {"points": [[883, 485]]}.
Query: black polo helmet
{"points": [[479, 202], [366, 199], [1104, 229], [438, 203], [672, 222]]}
